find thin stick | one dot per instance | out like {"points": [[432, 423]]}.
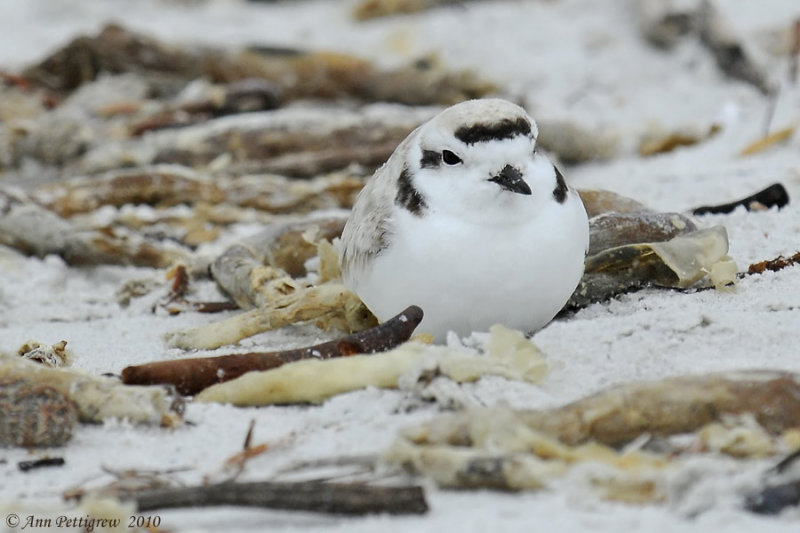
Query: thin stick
{"points": [[190, 376], [773, 196], [339, 498], [795, 53]]}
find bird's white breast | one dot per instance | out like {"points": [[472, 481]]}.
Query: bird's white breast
{"points": [[468, 276]]}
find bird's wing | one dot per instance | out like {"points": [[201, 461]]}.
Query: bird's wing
{"points": [[367, 230]]}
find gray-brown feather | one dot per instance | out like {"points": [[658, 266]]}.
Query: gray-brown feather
{"points": [[369, 226]]}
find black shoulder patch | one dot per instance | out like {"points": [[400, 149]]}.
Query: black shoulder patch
{"points": [[505, 129], [430, 159], [408, 196], [560, 192]]}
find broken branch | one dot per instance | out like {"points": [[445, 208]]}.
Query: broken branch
{"points": [[190, 376], [339, 498]]}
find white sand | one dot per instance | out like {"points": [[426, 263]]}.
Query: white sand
{"points": [[574, 59]]}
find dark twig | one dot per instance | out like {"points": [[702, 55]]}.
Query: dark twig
{"points": [[339, 498], [795, 53], [774, 499], [215, 307], [190, 376], [39, 463], [784, 463], [773, 196]]}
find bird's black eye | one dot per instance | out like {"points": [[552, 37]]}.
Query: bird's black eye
{"points": [[450, 158]]}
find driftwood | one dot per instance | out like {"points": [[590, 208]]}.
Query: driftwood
{"points": [[283, 195], [295, 141], [162, 185], [190, 376], [300, 142], [294, 73], [32, 229], [278, 299], [96, 398], [618, 415], [284, 246], [338, 498], [167, 185], [520, 449], [369, 9], [243, 96]]}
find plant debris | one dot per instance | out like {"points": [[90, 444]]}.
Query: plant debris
{"points": [[768, 141], [773, 196], [34, 230], [508, 449], [292, 73], [96, 398], [313, 381], [774, 265], [34, 414], [190, 376], [26, 466], [338, 498], [54, 356]]}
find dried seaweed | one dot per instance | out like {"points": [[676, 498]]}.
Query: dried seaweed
{"points": [[315, 380], [369, 9], [240, 270], [299, 142], [190, 376], [768, 141], [506, 449], [34, 230], [658, 142], [97, 399], [293, 73], [774, 265], [162, 185], [329, 306]]}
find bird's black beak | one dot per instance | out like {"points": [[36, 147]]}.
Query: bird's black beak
{"points": [[510, 179]]}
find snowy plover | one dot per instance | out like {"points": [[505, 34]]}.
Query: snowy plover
{"points": [[470, 222]]}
